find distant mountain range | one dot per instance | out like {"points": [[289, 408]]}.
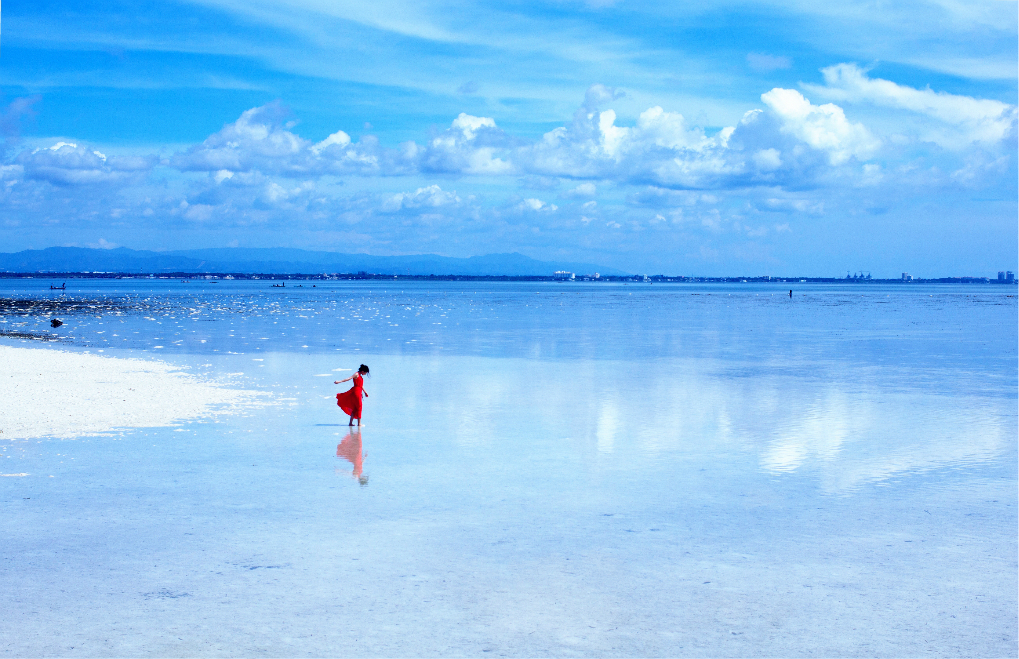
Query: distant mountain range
{"points": [[279, 261]]}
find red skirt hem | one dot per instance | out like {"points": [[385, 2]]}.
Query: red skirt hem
{"points": [[350, 402]]}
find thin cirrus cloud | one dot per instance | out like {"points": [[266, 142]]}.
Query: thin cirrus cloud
{"points": [[763, 62]]}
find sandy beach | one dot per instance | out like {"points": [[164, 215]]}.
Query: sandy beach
{"points": [[56, 393]]}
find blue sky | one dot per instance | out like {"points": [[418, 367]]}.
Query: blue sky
{"points": [[685, 138]]}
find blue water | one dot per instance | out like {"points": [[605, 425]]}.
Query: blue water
{"points": [[544, 469]]}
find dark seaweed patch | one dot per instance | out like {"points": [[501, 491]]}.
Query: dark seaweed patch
{"points": [[30, 335]]}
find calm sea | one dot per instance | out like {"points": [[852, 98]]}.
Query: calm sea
{"points": [[544, 469]]}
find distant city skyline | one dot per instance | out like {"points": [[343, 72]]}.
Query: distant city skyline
{"points": [[709, 138], [85, 261]]}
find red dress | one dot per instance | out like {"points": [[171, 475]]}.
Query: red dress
{"points": [[350, 400]]}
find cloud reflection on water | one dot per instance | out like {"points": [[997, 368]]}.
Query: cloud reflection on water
{"points": [[844, 426]]}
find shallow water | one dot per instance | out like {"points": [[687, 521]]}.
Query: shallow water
{"points": [[545, 469]]}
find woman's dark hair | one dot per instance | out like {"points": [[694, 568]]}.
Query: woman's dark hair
{"points": [[363, 369]]}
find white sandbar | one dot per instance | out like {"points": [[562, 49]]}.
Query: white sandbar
{"points": [[68, 394]]}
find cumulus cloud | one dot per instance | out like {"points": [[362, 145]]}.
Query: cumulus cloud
{"points": [[661, 146], [67, 163], [256, 140], [339, 138], [533, 205], [260, 140], [824, 127], [785, 156], [469, 146], [768, 159], [431, 196], [974, 120], [789, 141]]}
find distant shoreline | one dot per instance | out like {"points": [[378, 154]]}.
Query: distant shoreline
{"points": [[192, 277]]}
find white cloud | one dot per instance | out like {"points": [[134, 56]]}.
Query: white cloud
{"points": [[257, 140], [661, 148], [768, 159], [583, 190], [257, 171], [431, 196], [469, 146], [260, 141], [67, 163], [536, 205], [979, 168], [823, 127], [982, 121], [470, 125], [339, 138]]}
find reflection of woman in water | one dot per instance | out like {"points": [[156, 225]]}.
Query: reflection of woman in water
{"points": [[350, 400], [350, 449]]}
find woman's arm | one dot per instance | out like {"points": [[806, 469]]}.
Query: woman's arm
{"points": [[342, 381]]}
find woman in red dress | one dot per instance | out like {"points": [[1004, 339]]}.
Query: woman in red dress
{"points": [[350, 400]]}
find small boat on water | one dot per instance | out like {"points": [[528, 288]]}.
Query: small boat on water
{"points": [[62, 287]]}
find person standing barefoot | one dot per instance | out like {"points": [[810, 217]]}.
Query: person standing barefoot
{"points": [[350, 400]]}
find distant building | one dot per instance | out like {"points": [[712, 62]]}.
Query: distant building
{"points": [[563, 275], [1009, 277], [907, 277], [1001, 276]]}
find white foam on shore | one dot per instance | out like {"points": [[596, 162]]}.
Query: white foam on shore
{"points": [[67, 394]]}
